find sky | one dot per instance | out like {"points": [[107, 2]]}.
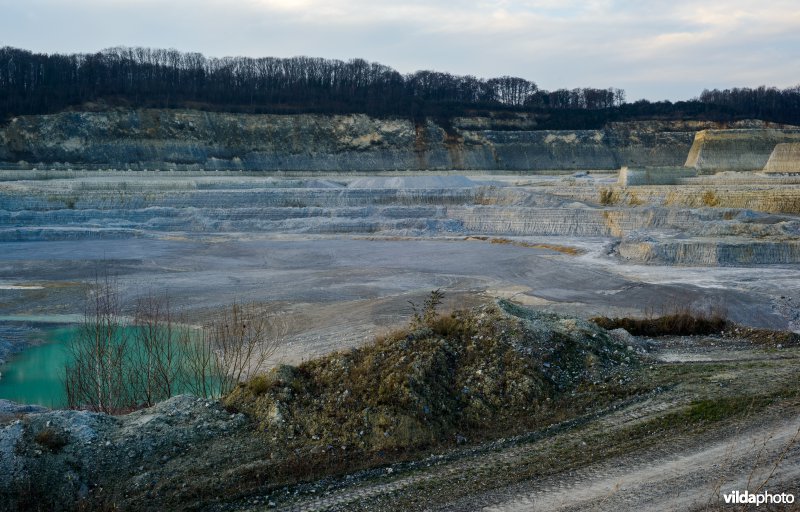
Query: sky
{"points": [[654, 49]]}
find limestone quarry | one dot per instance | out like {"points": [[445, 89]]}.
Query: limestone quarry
{"points": [[337, 222]]}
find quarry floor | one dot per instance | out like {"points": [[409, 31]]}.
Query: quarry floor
{"points": [[339, 292]]}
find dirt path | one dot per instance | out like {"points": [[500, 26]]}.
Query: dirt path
{"points": [[683, 480]]}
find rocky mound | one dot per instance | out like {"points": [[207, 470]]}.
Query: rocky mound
{"points": [[65, 460], [468, 374], [10, 410]]}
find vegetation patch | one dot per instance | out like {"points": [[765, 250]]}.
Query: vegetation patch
{"points": [[687, 323], [765, 337], [710, 199], [676, 324], [609, 196], [634, 199], [51, 439]]}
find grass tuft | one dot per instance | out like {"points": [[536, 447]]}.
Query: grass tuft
{"points": [[710, 199], [51, 439]]}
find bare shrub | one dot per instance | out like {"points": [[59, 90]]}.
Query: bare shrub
{"points": [[229, 348], [678, 322], [425, 315], [241, 340], [51, 439]]}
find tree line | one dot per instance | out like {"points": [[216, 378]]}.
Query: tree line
{"points": [[32, 83], [35, 83]]}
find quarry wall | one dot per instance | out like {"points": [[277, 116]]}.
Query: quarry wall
{"points": [[195, 140], [653, 175]]}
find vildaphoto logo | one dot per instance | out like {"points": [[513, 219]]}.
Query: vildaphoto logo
{"points": [[762, 498]]}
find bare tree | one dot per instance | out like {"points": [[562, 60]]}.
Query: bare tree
{"points": [[241, 340], [95, 376], [155, 356], [201, 371]]}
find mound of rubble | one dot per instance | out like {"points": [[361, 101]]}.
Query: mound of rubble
{"points": [[481, 370]]}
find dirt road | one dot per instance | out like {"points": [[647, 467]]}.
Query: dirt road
{"points": [[765, 458]]}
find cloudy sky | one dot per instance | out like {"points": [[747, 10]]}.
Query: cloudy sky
{"points": [[654, 49]]}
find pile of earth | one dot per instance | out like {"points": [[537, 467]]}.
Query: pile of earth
{"points": [[462, 378], [493, 367]]}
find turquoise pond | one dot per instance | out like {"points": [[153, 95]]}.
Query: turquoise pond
{"points": [[34, 376]]}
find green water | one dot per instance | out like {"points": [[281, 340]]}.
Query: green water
{"points": [[35, 375]]}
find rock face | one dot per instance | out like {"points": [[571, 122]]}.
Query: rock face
{"points": [[711, 252], [185, 139], [785, 158], [737, 150]]}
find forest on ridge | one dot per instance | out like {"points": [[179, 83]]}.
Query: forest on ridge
{"points": [[35, 83]]}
